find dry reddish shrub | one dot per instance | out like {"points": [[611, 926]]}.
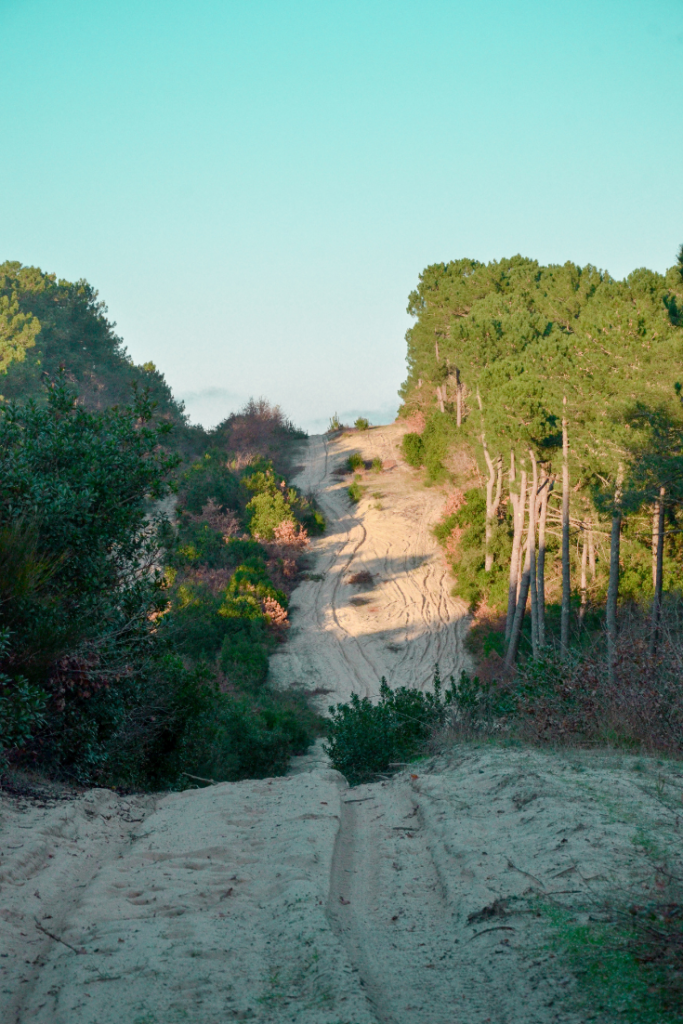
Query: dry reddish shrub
{"points": [[275, 614], [454, 502], [226, 523], [416, 422], [286, 535]]}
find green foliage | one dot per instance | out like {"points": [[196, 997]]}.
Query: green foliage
{"points": [[266, 511], [377, 465], [355, 491], [22, 706], [473, 583], [413, 450], [365, 739], [74, 487], [46, 324], [210, 479], [355, 461], [361, 423], [335, 424]]}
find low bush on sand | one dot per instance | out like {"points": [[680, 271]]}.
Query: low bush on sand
{"points": [[362, 424], [355, 491], [366, 739], [355, 461]]}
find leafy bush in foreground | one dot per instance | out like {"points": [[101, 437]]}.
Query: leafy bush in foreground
{"points": [[365, 739]]}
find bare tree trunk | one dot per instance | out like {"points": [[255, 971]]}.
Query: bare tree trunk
{"points": [[613, 588], [518, 506], [458, 399], [533, 502], [439, 398], [591, 550], [516, 631], [655, 541], [492, 504], [546, 488], [566, 582], [584, 563], [657, 602], [436, 349]]}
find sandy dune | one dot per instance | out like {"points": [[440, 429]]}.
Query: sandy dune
{"points": [[345, 637], [411, 901]]}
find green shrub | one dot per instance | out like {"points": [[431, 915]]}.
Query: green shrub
{"points": [[266, 511], [355, 461], [355, 491], [377, 465], [413, 449], [365, 739], [209, 478], [361, 423], [22, 706], [335, 424]]}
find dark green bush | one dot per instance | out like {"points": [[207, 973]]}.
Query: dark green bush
{"points": [[210, 478], [22, 706], [355, 461], [362, 423], [365, 739], [413, 450]]}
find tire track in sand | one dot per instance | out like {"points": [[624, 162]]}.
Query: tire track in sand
{"points": [[345, 637]]}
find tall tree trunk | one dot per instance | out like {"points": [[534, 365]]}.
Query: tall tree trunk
{"points": [[613, 588], [533, 502], [516, 631], [518, 507], [436, 349], [458, 399], [655, 541], [439, 398], [591, 549], [566, 581], [659, 567], [584, 563], [495, 478], [546, 488]]}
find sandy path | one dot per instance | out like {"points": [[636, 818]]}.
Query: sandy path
{"points": [[298, 899], [413, 901], [345, 637]]}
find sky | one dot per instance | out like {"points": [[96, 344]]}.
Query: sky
{"points": [[255, 186]]}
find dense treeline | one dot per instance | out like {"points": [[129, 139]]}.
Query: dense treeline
{"points": [[47, 323], [564, 386], [145, 565]]}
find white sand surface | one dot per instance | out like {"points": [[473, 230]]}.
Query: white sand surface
{"points": [[298, 899], [345, 637], [412, 901]]}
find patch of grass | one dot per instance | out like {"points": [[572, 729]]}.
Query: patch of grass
{"points": [[377, 465], [355, 461], [619, 971]]}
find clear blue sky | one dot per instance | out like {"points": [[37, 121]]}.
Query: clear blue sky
{"points": [[255, 186]]}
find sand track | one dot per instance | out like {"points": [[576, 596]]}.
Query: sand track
{"points": [[420, 900], [345, 637]]}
